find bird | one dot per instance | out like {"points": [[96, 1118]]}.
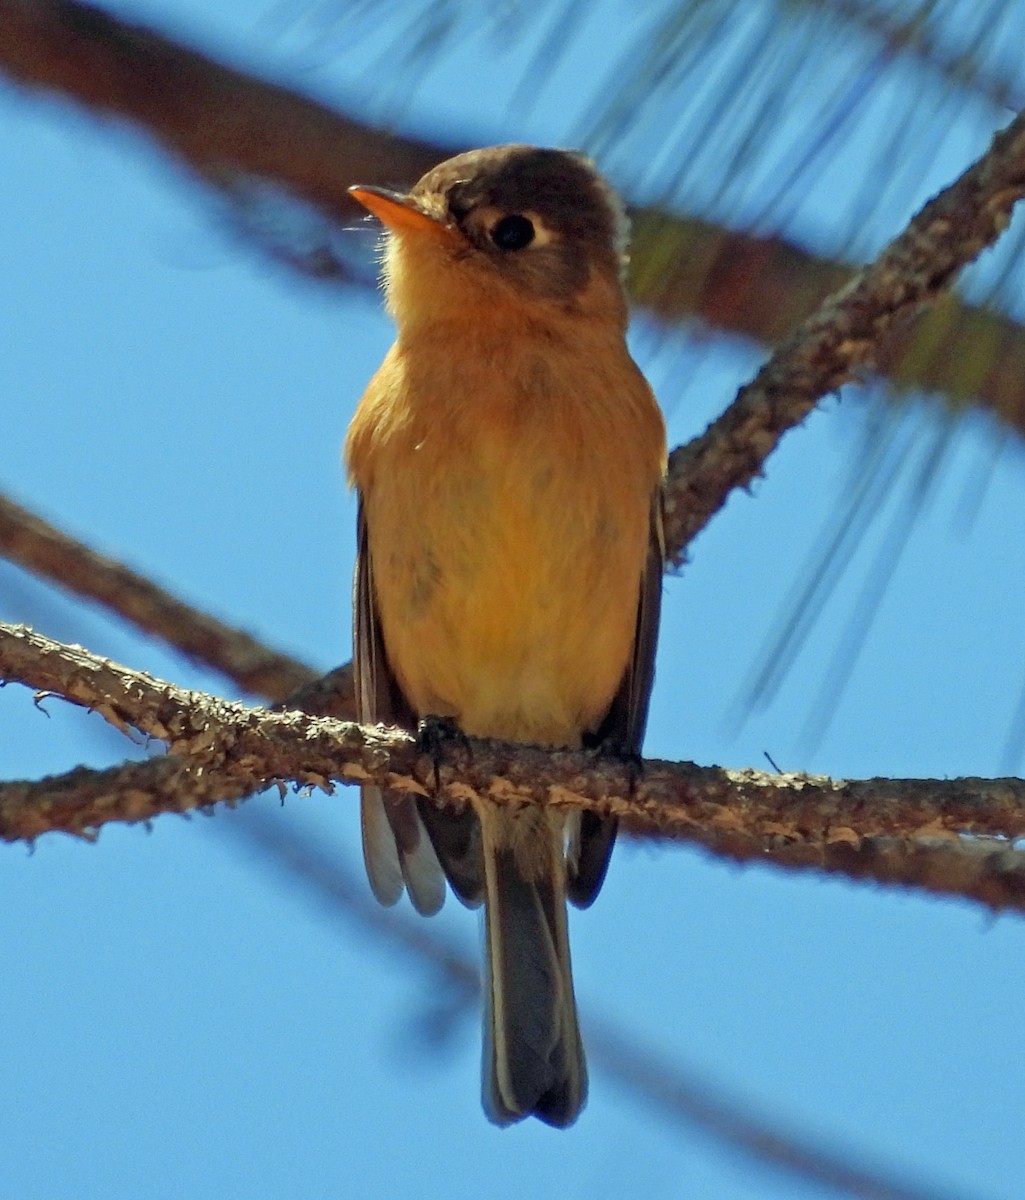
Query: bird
{"points": [[508, 458]]}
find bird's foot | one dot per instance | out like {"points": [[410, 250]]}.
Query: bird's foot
{"points": [[615, 750], [434, 735]]}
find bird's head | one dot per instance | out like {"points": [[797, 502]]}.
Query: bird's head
{"points": [[503, 234]]}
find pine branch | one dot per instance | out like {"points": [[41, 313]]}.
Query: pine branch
{"points": [[761, 287], [122, 71], [52, 555], [842, 337], [892, 831]]}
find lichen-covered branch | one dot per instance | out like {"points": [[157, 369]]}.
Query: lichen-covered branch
{"points": [[251, 746], [895, 831]]}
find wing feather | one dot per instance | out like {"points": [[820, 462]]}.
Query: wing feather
{"points": [[396, 849], [623, 727]]}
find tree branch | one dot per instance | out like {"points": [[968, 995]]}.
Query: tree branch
{"points": [[843, 335], [219, 119], [43, 549], [760, 287], [887, 830], [892, 831]]}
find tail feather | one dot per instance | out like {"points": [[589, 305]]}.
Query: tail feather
{"points": [[533, 1056]]}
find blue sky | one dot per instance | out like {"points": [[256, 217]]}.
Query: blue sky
{"points": [[180, 1020]]}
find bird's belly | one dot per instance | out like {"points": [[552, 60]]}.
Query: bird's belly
{"points": [[513, 609]]}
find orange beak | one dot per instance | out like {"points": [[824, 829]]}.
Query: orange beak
{"points": [[397, 212]]}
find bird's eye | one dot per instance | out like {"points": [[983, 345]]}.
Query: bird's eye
{"points": [[512, 232]]}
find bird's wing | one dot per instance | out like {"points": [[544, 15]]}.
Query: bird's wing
{"points": [[396, 849], [623, 726]]}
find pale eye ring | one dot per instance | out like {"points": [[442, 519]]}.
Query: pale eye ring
{"points": [[513, 232]]}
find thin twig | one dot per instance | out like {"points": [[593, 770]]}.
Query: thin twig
{"points": [[676, 1093]]}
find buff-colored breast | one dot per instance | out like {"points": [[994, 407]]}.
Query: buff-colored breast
{"points": [[507, 503]]}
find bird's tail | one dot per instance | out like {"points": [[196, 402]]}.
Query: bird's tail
{"points": [[533, 1057]]}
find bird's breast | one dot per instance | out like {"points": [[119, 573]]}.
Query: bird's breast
{"points": [[507, 506]]}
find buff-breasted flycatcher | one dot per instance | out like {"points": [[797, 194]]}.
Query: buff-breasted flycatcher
{"points": [[509, 457]]}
